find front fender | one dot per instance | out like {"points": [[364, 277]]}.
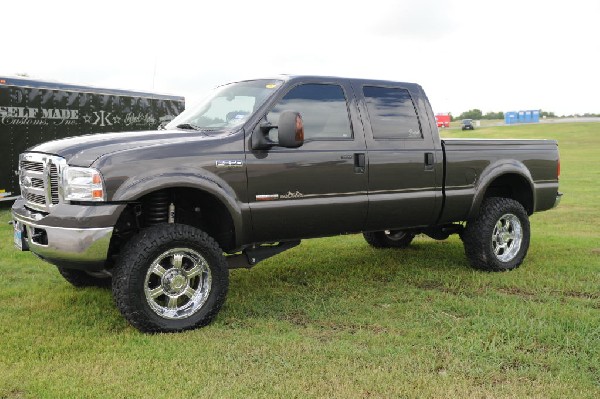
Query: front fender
{"points": [[493, 171], [136, 187]]}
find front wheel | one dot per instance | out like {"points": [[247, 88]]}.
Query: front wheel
{"points": [[389, 238], [498, 239], [170, 278]]}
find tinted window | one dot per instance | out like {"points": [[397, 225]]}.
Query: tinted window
{"points": [[392, 113], [323, 109]]}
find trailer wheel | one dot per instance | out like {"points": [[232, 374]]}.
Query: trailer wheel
{"points": [[170, 278], [498, 239], [389, 238], [80, 278]]}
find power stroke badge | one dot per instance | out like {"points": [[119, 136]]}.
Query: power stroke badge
{"points": [[229, 163]]}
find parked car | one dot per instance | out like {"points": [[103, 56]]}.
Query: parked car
{"points": [[255, 168], [467, 124]]}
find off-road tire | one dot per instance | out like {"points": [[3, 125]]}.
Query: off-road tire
{"points": [[389, 239], [130, 277], [81, 279], [480, 237]]}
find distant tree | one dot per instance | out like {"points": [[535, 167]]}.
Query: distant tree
{"points": [[546, 114], [494, 115], [471, 114]]}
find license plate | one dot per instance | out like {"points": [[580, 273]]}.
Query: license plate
{"points": [[18, 235]]}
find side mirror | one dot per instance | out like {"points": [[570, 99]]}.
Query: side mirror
{"points": [[290, 132], [291, 129]]}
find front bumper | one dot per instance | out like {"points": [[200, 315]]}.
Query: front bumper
{"points": [[76, 248]]}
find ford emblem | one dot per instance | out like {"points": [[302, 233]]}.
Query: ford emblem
{"points": [[26, 182]]}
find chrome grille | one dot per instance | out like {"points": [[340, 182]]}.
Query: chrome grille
{"points": [[35, 198], [31, 165], [39, 179], [53, 184], [37, 183]]}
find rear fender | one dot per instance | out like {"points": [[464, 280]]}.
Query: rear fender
{"points": [[491, 173]]}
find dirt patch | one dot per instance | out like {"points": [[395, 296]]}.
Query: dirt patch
{"points": [[534, 296], [14, 394], [328, 330], [518, 292], [582, 295], [298, 318], [435, 286]]}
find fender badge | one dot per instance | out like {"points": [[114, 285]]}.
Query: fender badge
{"points": [[290, 194], [229, 163]]}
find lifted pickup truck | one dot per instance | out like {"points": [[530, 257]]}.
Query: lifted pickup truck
{"points": [[256, 167]]}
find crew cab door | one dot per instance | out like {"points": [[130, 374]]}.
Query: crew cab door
{"points": [[319, 188], [405, 172]]}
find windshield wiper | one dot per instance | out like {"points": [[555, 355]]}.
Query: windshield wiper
{"points": [[188, 126]]}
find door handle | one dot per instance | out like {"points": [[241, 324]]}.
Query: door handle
{"points": [[359, 162], [429, 161]]}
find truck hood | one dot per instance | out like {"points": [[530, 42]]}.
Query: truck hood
{"points": [[84, 150]]}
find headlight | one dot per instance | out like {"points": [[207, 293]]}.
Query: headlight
{"points": [[82, 184]]}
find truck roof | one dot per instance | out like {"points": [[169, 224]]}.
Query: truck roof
{"points": [[46, 84], [319, 78]]}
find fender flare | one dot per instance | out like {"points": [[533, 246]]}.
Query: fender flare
{"points": [[492, 172], [134, 188]]}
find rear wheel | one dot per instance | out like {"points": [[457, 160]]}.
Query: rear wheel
{"points": [[389, 238], [498, 239], [80, 278], [170, 278]]}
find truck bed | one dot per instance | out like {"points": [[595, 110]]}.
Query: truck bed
{"points": [[471, 164]]}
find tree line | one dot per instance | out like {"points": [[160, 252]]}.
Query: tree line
{"points": [[477, 114]]}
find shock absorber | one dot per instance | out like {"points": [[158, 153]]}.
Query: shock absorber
{"points": [[156, 208], [171, 218]]}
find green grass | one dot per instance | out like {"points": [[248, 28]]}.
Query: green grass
{"points": [[336, 318]]}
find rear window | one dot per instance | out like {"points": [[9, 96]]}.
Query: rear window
{"points": [[392, 113]]}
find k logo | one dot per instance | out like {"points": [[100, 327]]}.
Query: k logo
{"points": [[102, 118]]}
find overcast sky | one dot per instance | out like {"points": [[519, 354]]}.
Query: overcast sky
{"points": [[492, 55]]}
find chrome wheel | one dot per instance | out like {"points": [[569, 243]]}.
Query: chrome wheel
{"points": [[177, 283], [388, 238], [497, 240], [507, 237], [395, 235]]}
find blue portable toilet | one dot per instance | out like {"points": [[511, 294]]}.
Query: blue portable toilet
{"points": [[527, 116], [510, 117]]}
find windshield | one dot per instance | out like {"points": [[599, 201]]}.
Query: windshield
{"points": [[226, 107]]}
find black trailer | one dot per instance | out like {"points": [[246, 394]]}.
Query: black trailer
{"points": [[34, 111]]}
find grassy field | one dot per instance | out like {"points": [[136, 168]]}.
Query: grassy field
{"points": [[336, 318]]}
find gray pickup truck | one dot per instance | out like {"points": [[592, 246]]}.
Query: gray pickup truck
{"points": [[162, 216]]}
